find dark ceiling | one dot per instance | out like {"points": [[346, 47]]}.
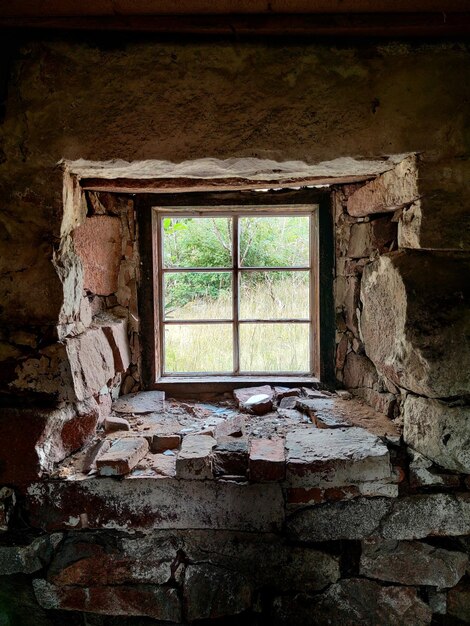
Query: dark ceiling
{"points": [[428, 18]]}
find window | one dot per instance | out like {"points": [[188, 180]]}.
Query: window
{"points": [[235, 288]]}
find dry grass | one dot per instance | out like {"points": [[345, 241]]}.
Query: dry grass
{"points": [[263, 347]]}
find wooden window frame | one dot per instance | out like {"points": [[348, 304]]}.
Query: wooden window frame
{"points": [[151, 208]]}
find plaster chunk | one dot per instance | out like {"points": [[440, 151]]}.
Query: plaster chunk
{"points": [[439, 431], [415, 321]]}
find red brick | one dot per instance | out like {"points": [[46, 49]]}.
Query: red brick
{"points": [[267, 460], [163, 441]]}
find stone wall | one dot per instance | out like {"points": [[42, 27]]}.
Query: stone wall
{"points": [[69, 332]]}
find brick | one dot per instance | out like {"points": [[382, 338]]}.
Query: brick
{"points": [[267, 460], [163, 465], [387, 192], [259, 404], [122, 456], [194, 460], [286, 392], [230, 456], [161, 442], [98, 243]]}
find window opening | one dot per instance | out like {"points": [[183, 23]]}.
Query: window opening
{"points": [[236, 290]]}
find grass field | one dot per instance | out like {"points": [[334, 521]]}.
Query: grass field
{"points": [[263, 347]]}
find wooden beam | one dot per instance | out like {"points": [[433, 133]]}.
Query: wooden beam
{"points": [[325, 25], [112, 8]]}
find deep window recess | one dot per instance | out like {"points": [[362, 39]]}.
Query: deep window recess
{"points": [[236, 289]]}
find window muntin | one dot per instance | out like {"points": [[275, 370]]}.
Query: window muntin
{"points": [[264, 340]]}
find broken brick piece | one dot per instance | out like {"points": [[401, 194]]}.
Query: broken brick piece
{"points": [[231, 427], [260, 404], [267, 460], [113, 423], [164, 441], [242, 395], [286, 392], [122, 456], [194, 460]]}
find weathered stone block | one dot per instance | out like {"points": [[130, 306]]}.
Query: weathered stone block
{"points": [[415, 321], [43, 438], [335, 458], [122, 456], [412, 563], [359, 371], [439, 219], [211, 592], [354, 601], [98, 243], [157, 602], [355, 519], [439, 431], [373, 237], [458, 602], [416, 517], [26, 559], [73, 370], [388, 191], [194, 460], [267, 460]]}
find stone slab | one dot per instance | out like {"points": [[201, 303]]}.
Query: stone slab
{"points": [[154, 503], [412, 563], [335, 457], [140, 402]]}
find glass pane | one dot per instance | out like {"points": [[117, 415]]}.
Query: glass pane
{"points": [[274, 295], [274, 347], [198, 348], [274, 241], [198, 295], [197, 241]]}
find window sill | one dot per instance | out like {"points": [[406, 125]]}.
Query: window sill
{"points": [[204, 384]]}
